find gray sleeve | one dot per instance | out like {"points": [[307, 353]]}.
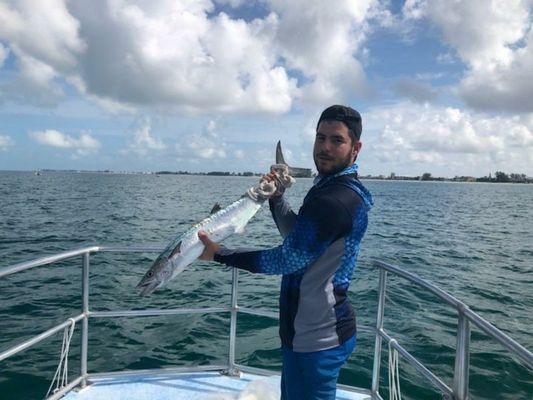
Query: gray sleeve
{"points": [[283, 215]]}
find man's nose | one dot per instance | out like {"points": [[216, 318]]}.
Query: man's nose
{"points": [[326, 145]]}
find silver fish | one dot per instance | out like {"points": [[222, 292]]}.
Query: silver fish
{"points": [[186, 248]]}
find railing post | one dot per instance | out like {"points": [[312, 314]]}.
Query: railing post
{"points": [[85, 320], [233, 323], [462, 358], [379, 327]]}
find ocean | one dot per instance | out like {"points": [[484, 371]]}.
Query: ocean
{"points": [[475, 241]]}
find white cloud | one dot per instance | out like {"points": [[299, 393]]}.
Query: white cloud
{"points": [[176, 54], [43, 36], [46, 30], [34, 83], [5, 142], [232, 3], [143, 142], [210, 128], [4, 53], [495, 41], [505, 87], [202, 147], [239, 154], [83, 145], [207, 145], [448, 139], [321, 40], [173, 54], [414, 9], [446, 58], [481, 31]]}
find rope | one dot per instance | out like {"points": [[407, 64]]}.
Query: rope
{"points": [[394, 373], [265, 190], [61, 374]]}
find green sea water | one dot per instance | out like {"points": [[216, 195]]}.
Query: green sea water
{"points": [[473, 240]]}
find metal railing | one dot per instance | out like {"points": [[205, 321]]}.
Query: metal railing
{"points": [[465, 318], [231, 368]]}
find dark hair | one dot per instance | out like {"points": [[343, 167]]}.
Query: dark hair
{"points": [[350, 117]]}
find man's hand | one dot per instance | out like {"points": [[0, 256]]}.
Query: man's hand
{"points": [[272, 177], [210, 247], [269, 177]]}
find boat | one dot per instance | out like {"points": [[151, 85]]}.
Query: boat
{"points": [[203, 382]]}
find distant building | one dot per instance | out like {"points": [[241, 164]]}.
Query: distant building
{"points": [[301, 172]]}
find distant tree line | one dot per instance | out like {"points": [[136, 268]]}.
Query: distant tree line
{"points": [[210, 173], [499, 176]]}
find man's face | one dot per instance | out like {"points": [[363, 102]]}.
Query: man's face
{"points": [[334, 149]]}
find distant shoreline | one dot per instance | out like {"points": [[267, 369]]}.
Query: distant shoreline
{"points": [[500, 177]]}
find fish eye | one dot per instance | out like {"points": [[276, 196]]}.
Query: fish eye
{"points": [[150, 273]]}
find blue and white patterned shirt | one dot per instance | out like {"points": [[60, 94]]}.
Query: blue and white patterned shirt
{"points": [[317, 259]]}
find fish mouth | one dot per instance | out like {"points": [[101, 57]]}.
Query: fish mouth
{"points": [[147, 288]]}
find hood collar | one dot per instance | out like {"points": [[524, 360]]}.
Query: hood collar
{"points": [[321, 179]]}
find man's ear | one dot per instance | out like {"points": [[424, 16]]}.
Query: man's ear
{"points": [[356, 149]]}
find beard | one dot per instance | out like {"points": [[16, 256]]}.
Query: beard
{"points": [[330, 165]]}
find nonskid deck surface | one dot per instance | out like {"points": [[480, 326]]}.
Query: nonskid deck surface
{"points": [[188, 386]]}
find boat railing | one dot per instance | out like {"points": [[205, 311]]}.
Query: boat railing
{"points": [[466, 317]]}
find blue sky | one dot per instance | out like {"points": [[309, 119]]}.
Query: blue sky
{"points": [[443, 86]]}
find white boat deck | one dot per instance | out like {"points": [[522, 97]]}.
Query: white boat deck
{"points": [[188, 386]]}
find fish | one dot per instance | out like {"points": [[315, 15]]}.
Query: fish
{"points": [[219, 225]]}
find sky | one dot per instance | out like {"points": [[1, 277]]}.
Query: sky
{"points": [[443, 86]]}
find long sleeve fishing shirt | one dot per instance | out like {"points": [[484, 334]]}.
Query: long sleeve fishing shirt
{"points": [[317, 259]]}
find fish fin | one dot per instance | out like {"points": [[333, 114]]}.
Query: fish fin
{"points": [[176, 250], [279, 154], [216, 208], [240, 230], [293, 171]]}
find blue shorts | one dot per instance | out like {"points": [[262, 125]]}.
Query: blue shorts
{"points": [[313, 376]]}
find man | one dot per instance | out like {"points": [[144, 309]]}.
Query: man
{"points": [[316, 259]]}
